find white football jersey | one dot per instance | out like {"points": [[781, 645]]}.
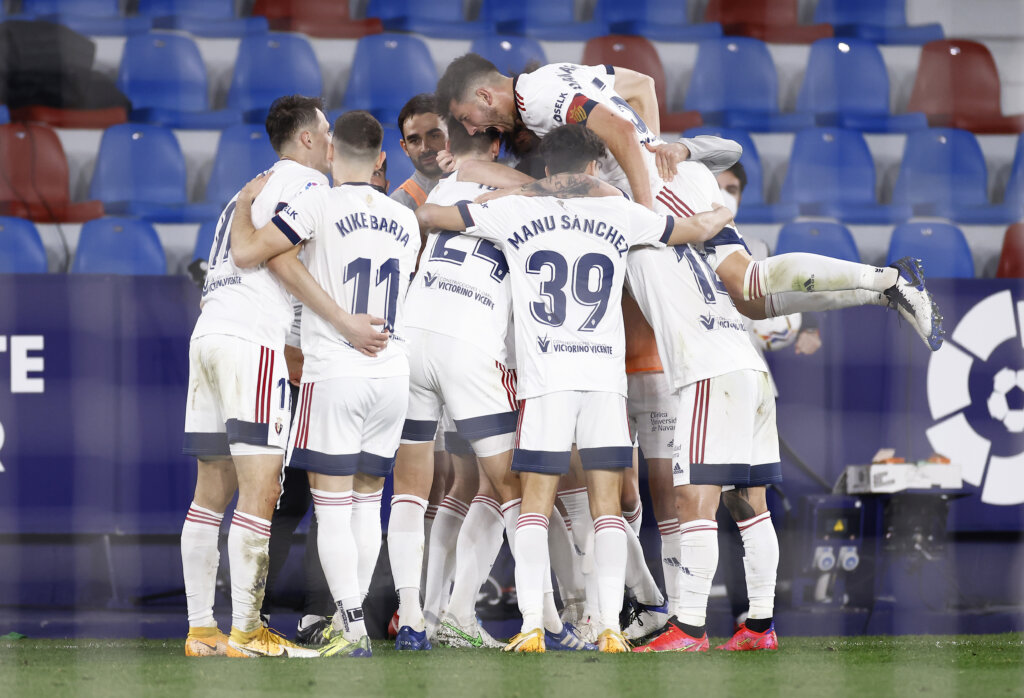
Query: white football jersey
{"points": [[251, 303], [566, 260], [699, 331], [362, 250], [565, 93], [461, 288]]}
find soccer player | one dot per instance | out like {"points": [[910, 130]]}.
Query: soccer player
{"points": [[362, 249], [566, 262], [423, 136], [236, 416], [616, 104]]}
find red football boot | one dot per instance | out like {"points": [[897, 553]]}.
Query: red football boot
{"points": [[673, 639], [746, 639]]}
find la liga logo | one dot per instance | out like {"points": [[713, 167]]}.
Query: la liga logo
{"points": [[976, 397]]}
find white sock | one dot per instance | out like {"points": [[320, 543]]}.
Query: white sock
{"points": [[577, 508], [248, 557], [531, 567], [669, 529], [562, 551], [405, 549], [510, 517], [428, 524], [789, 302], [366, 531], [444, 535], [698, 557], [199, 559], [760, 562], [812, 273], [638, 576], [339, 557], [635, 517], [479, 542], [610, 567]]}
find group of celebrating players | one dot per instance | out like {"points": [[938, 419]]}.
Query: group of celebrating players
{"points": [[484, 307]]}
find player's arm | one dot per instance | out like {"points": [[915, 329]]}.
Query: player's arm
{"points": [[358, 330], [638, 90], [698, 228], [566, 185], [251, 247], [620, 137], [492, 174], [434, 217], [719, 154]]}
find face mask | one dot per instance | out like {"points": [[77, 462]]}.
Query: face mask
{"points": [[729, 201]]}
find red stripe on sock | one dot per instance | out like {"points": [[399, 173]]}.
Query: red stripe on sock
{"points": [[747, 523]]}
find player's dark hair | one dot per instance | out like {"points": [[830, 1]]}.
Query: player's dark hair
{"points": [[741, 174], [459, 76], [357, 136], [570, 147], [420, 104], [290, 115], [460, 142]]}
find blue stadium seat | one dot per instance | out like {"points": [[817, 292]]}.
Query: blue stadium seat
{"points": [[21, 248], [243, 151], [1014, 195], [204, 240], [734, 84], [880, 21], [831, 174], [5, 114], [118, 245], [657, 20], [847, 85], [399, 165], [91, 17], [511, 54], [941, 247], [443, 19], [140, 171], [386, 71], [943, 174], [164, 76], [268, 66], [552, 20], [214, 18], [753, 208], [818, 237]]}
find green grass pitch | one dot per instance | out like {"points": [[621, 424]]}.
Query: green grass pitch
{"points": [[932, 666]]}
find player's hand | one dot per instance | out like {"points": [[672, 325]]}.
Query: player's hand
{"points": [[255, 185], [667, 156], [713, 221], [293, 359], [808, 341], [361, 333], [445, 160]]}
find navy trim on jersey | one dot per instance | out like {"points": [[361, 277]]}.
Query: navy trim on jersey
{"points": [[201, 444], [610, 69], [551, 462], [456, 445], [324, 463], [726, 236], [487, 425], [286, 229], [607, 457], [280, 205], [254, 433], [420, 430], [467, 218], [738, 474], [670, 224]]}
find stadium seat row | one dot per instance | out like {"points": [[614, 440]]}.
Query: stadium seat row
{"points": [[127, 245], [665, 20], [140, 170]]}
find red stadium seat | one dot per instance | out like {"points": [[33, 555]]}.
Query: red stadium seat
{"points": [[35, 184], [768, 20], [639, 54], [957, 85], [71, 118], [320, 18], [1011, 260]]}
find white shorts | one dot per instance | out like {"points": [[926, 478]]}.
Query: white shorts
{"points": [[449, 376], [345, 425], [726, 433], [550, 424], [651, 405], [239, 401]]}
